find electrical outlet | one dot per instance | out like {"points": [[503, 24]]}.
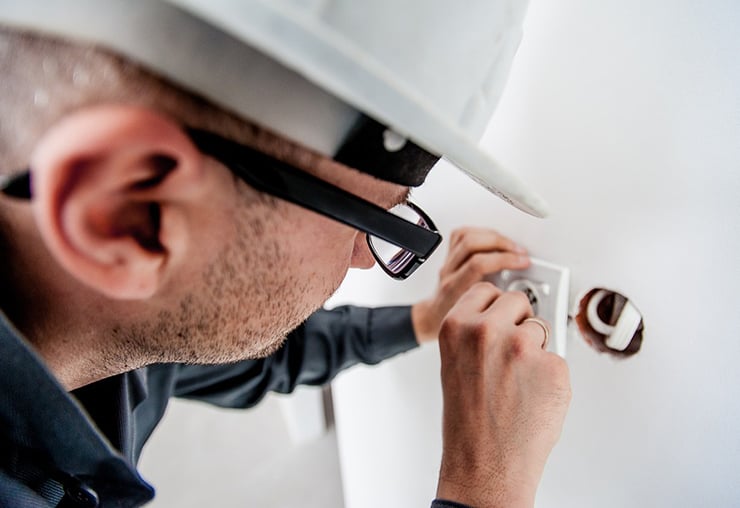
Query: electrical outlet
{"points": [[547, 286]]}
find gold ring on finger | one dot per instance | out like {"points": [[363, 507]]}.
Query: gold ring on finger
{"points": [[542, 325]]}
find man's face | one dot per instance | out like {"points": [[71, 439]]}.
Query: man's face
{"points": [[173, 254], [278, 264]]}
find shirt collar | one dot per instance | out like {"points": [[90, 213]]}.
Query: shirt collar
{"points": [[38, 414]]}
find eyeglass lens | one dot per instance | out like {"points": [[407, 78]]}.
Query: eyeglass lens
{"points": [[396, 258]]}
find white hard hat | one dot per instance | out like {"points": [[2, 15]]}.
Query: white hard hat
{"points": [[431, 71]]}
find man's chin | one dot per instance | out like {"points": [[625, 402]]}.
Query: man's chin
{"points": [[268, 342], [266, 350]]}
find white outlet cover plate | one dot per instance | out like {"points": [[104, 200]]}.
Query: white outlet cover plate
{"points": [[553, 285]]}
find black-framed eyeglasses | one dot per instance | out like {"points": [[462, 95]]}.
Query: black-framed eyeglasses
{"points": [[400, 239]]}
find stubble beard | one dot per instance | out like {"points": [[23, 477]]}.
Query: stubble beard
{"points": [[249, 299]]}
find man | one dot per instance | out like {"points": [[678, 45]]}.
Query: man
{"points": [[146, 229]]}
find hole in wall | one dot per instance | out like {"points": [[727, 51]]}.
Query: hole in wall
{"points": [[610, 322]]}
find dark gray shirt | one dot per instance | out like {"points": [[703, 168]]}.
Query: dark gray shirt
{"points": [[81, 448]]}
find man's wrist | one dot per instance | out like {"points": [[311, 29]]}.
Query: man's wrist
{"points": [[420, 321], [486, 493]]}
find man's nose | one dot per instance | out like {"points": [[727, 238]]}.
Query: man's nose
{"points": [[361, 255]]}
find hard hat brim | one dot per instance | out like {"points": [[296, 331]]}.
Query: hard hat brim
{"points": [[324, 78]]}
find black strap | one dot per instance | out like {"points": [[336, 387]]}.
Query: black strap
{"points": [[364, 149], [17, 185]]}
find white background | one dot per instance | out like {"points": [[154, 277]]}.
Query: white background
{"points": [[626, 115]]}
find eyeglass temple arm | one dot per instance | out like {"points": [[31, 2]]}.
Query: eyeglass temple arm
{"points": [[300, 188], [284, 181], [307, 192]]}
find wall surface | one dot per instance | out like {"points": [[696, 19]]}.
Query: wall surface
{"points": [[203, 456], [625, 114]]}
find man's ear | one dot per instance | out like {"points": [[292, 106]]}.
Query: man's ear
{"points": [[111, 186]]}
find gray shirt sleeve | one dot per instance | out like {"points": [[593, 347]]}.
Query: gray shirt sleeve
{"points": [[327, 343]]}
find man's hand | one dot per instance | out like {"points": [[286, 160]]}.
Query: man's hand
{"points": [[473, 254], [505, 400]]}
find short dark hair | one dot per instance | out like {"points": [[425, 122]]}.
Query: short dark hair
{"points": [[44, 78]]}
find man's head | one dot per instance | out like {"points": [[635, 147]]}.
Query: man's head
{"points": [[132, 226], [137, 224]]}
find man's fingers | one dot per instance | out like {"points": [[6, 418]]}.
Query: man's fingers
{"points": [[480, 265], [469, 231], [474, 253], [466, 242], [512, 306], [477, 299]]}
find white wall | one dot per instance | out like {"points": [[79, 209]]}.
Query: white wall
{"points": [[625, 114], [203, 456]]}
